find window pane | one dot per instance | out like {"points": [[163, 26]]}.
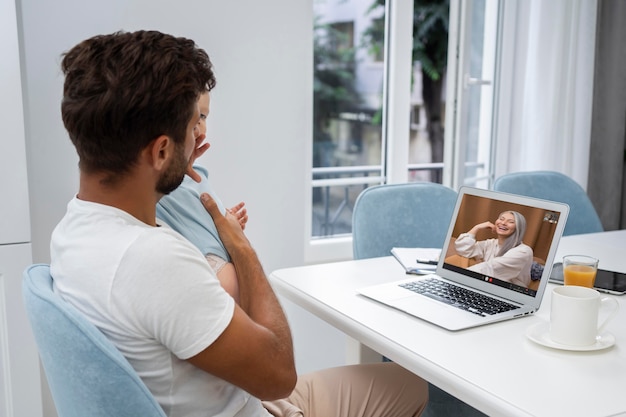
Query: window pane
{"points": [[430, 51], [348, 90], [478, 92], [333, 215]]}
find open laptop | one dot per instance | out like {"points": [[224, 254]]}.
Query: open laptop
{"points": [[545, 221]]}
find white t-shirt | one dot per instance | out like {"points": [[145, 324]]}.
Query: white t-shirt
{"points": [[153, 294]]}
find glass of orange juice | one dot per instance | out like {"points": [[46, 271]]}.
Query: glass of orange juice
{"points": [[579, 270]]}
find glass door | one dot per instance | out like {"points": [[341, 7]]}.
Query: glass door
{"points": [[469, 144]]}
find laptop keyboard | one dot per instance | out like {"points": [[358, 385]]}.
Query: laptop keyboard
{"points": [[459, 297]]}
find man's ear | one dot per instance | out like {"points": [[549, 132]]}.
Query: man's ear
{"points": [[160, 151]]}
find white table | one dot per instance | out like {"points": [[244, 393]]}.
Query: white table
{"points": [[494, 368]]}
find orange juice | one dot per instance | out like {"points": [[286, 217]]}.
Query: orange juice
{"points": [[581, 275]]}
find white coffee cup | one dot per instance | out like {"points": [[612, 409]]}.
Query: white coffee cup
{"points": [[574, 315]]}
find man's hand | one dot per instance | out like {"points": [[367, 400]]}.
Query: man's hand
{"points": [[228, 225]]}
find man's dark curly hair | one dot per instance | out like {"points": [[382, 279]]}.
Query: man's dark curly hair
{"points": [[124, 90]]}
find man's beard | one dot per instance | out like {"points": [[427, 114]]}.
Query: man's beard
{"points": [[173, 176]]}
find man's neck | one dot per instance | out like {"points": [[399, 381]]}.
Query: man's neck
{"points": [[132, 194]]}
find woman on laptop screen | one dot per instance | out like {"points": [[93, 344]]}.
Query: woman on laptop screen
{"points": [[504, 257]]}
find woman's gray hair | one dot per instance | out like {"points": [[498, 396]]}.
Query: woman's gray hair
{"points": [[517, 236]]}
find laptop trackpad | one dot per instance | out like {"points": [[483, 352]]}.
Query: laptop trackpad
{"points": [[436, 312]]}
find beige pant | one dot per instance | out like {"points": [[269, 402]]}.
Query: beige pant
{"points": [[368, 390]]}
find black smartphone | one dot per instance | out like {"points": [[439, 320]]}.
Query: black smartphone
{"points": [[606, 281]]}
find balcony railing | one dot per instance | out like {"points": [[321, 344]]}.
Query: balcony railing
{"points": [[329, 222], [332, 211]]}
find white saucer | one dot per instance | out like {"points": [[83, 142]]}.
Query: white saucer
{"points": [[540, 333]]}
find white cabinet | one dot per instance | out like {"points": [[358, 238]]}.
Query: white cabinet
{"points": [[20, 383], [14, 212]]}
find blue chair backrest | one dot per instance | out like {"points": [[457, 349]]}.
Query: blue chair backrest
{"points": [[87, 375], [401, 215], [554, 186]]}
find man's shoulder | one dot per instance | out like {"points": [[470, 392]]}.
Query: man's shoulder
{"points": [[162, 240]]}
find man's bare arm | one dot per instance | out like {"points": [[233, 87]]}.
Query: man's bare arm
{"points": [[255, 352]]}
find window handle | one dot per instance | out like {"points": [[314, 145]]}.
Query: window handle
{"points": [[474, 81]]}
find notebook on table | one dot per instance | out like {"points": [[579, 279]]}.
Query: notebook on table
{"points": [[456, 296], [418, 261]]}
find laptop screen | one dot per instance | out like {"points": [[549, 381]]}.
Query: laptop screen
{"points": [[503, 240]]}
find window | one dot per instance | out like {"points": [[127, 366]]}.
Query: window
{"points": [[380, 92]]}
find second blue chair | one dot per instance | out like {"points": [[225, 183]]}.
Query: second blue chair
{"points": [[551, 185]]}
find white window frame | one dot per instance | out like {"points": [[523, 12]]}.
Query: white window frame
{"points": [[458, 85]]}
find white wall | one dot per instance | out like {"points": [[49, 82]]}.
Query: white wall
{"points": [[259, 126]]}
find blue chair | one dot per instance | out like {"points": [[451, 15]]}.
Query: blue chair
{"points": [[551, 185], [401, 215], [87, 375], [407, 215]]}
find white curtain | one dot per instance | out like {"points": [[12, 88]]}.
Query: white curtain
{"points": [[546, 87]]}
